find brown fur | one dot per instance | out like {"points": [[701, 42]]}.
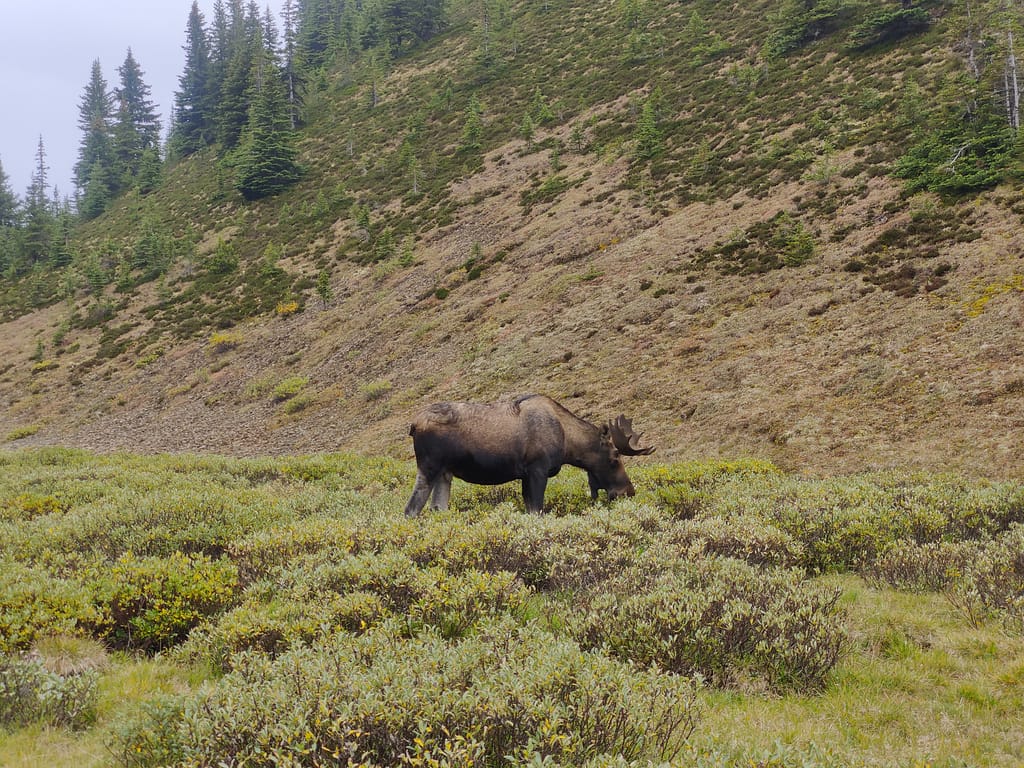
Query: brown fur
{"points": [[527, 438]]}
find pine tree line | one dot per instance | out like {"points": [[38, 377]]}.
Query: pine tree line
{"points": [[241, 89]]}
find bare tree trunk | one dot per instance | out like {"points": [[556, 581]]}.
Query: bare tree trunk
{"points": [[1012, 86], [972, 36]]}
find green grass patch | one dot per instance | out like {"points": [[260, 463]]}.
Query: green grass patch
{"points": [[720, 617]]}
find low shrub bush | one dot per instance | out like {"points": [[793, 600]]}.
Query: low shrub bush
{"points": [[981, 578], [260, 551], [744, 538], [31, 693], [719, 618], [993, 581], [273, 628], [507, 694], [152, 602], [914, 567], [34, 603]]}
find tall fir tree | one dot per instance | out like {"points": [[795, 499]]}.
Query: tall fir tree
{"points": [[9, 205], [235, 92], [94, 113], [266, 157], [137, 127], [39, 220], [193, 120]]}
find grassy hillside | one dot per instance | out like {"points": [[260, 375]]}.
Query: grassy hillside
{"points": [[700, 225], [192, 610]]}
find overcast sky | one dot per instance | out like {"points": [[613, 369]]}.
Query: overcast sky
{"points": [[46, 52]]}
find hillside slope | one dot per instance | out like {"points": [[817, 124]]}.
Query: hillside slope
{"points": [[662, 290]]}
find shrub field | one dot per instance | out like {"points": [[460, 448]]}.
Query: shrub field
{"points": [[205, 611]]}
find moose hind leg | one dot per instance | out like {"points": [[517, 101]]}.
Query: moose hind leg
{"points": [[442, 490], [420, 494]]}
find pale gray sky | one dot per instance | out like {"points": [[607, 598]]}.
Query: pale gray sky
{"points": [[46, 52]]}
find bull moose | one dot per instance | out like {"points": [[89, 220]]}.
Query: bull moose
{"points": [[528, 438]]}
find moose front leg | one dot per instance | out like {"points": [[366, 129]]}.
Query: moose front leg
{"points": [[534, 485], [420, 494]]}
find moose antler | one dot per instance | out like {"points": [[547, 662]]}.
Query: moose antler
{"points": [[625, 439]]}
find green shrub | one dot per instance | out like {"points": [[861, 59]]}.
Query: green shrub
{"points": [[26, 506], [20, 433], [31, 693], [259, 552], [34, 603], [579, 552], [455, 604], [914, 567], [428, 596], [745, 538], [273, 628], [507, 694], [152, 602], [719, 618], [150, 735], [288, 388], [847, 523], [993, 581], [488, 541]]}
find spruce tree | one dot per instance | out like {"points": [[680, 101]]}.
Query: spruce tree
{"points": [[266, 158], [39, 219], [473, 129], [193, 121], [137, 127], [94, 112], [236, 90], [8, 201]]}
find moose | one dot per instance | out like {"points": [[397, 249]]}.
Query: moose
{"points": [[528, 437]]}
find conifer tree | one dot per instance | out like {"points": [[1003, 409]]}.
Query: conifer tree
{"points": [[38, 216], [472, 131], [8, 201], [99, 191], [137, 127], [192, 116], [94, 121], [236, 90], [266, 158]]}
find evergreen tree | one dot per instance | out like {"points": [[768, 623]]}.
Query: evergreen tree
{"points": [[39, 218], [8, 201], [237, 88], [150, 171], [94, 121], [137, 127], [99, 191], [407, 22], [472, 131], [266, 158], [193, 121], [316, 21], [134, 95], [648, 135]]}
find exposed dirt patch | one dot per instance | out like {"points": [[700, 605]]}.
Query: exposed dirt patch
{"points": [[594, 299]]}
